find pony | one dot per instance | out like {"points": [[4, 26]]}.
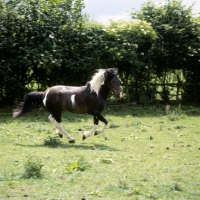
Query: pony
{"points": [[88, 99]]}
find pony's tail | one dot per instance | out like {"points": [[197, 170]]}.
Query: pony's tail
{"points": [[32, 101]]}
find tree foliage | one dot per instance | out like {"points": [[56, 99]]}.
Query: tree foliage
{"points": [[49, 42], [128, 45], [177, 45], [32, 37]]}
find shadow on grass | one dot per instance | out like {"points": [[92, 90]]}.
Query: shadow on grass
{"points": [[70, 146]]}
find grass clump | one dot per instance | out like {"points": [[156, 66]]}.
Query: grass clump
{"points": [[177, 187], [106, 161], [33, 168], [175, 114], [80, 165], [52, 141], [114, 125]]}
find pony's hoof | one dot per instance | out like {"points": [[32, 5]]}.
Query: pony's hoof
{"points": [[71, 141], [60, 135], [84, 137], [97, 133]]}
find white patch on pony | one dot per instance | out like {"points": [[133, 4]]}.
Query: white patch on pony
{"points": [[45, 98], [97, 81], [73, 100]]}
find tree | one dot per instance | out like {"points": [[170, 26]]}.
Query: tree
{"points": [[178, 37], [192, 69], [32, 36], [128, 45]]}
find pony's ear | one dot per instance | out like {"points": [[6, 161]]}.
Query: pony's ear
{"points": [[111, 71], [105, 74]]}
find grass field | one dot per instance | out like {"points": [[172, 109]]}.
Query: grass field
{"points": [[144, 153]]}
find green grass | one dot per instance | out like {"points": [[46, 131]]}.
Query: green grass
{"points": [[144, 153]]}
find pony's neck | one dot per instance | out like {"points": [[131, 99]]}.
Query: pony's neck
{"points": [[104, 92]]}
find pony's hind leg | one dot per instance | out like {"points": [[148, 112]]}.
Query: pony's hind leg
{"points": [[61, 130]]}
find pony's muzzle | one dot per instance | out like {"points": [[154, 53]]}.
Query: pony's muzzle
{"points": [[119, 95]]}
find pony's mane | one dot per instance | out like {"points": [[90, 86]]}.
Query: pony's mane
{"points": [[97, 81]]}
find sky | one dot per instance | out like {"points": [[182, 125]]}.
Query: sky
{"points": [[103, 10]]}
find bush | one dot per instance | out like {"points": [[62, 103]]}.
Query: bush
{"points": [[52, 141], [33, 168], [80, 165]]}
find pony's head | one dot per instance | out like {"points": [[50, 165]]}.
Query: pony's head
{"points": [[112, 82], [109, 77]]}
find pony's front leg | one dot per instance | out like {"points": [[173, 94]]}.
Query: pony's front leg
{"points": [[100, 130], [105, 122], [97, 117], [61, 130], [59, 133], [88, 134]]}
